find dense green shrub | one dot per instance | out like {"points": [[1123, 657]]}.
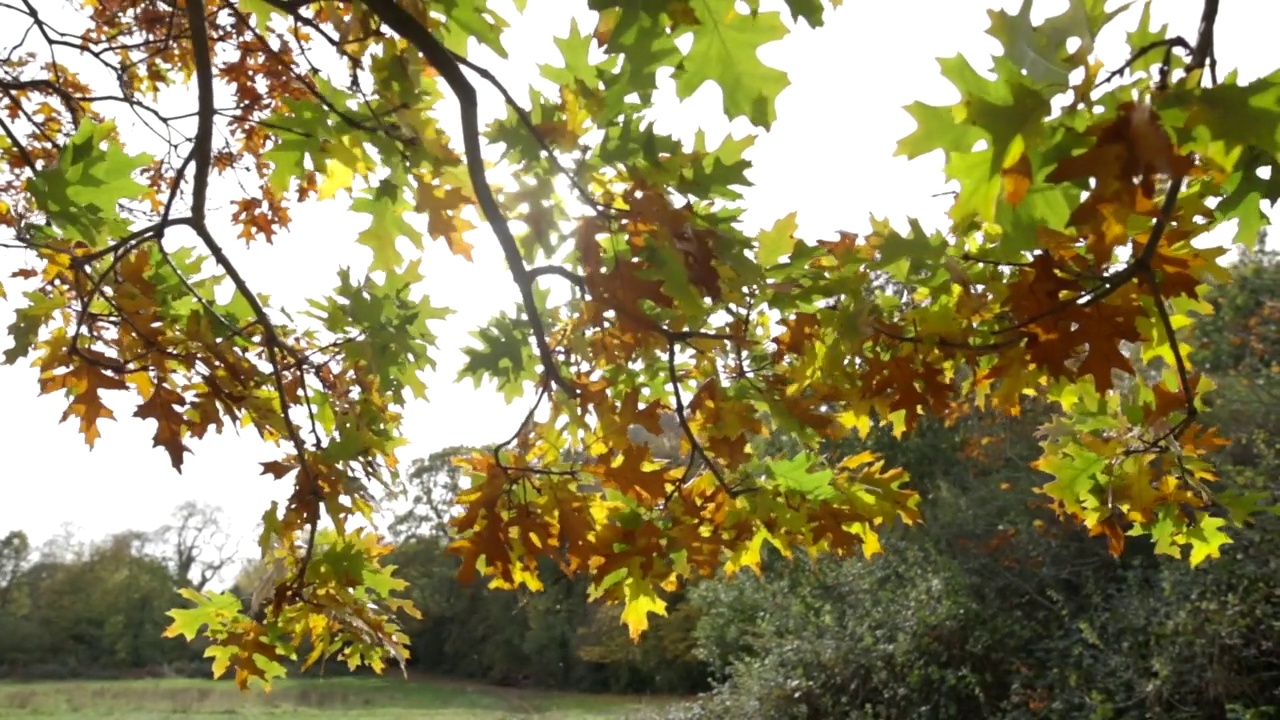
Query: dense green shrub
{"points": [[975, 632]]}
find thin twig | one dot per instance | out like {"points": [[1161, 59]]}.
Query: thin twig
{"points": [[694, 445], [1167, 43], [528, 418], [18, 146], [998, 263], [1180, 365], [567, 274]]}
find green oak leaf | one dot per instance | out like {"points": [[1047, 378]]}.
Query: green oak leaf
{"points": [[1206, 539], [1045, 206], [1247, 191], [937, 128], [27, 321], [1244, 505], [80, 192], [725, 43], [811, 11], [1142, 38], [915, 251], [795, 474], [309, 124], [505, 355], [641, 35], [469, 20], [387, 206], [262, 11], [575, 51], [979, 189], [383, 582], [717, 172], [1247, 114], [1075, 471], [1040, 49], [211, 609], [778, 241]]}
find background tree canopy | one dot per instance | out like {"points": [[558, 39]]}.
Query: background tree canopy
{"points": [[1061, 290]]}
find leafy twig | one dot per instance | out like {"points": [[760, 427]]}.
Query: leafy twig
{"points": [[203, 153], [405, 25], [529, 125]]}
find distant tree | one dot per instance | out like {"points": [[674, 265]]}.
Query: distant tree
{"points": [[15, 552], [431, 488], [195, 545], [98, 609]]}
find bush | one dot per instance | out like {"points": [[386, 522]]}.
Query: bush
{"points": [[549, 639], [995, 610]]}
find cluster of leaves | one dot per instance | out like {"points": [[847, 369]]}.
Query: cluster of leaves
{"points": [[551, 639], [1070, 250], [356, 621], [1001, 610]]}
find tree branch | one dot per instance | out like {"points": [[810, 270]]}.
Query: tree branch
{"points": [[18, 146], [407, 27], [563, 272], [695, 447], [202, 150], [203, 153], [1203, 54], [529, 125]]}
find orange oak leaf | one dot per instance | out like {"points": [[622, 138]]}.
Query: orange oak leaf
{"points": [[443, 206], [164, 407], [1017, 179], [83, 382], [279, 469]]}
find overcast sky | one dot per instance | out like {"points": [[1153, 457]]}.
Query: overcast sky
{"points": [[829, 157]]}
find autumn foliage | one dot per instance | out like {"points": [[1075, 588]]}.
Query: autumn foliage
{"points": [[1067, 270]]}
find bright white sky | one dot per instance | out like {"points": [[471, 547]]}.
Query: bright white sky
{"points": [[829, 157]]}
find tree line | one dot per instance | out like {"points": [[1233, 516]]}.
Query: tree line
{"points": [[96, 607]]}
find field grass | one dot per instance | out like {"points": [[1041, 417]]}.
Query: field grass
{"points": [[308, 699]]}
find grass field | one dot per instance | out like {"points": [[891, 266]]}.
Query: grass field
{"points": [[348, 698]]}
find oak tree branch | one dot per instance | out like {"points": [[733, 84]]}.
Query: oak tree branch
{"points": [[439, 57]]}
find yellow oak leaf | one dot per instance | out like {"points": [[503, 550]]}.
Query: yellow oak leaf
{"points": [[641, 599], [336, 177]]}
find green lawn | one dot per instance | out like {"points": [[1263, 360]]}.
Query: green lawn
{"points": [[373, 698]]}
